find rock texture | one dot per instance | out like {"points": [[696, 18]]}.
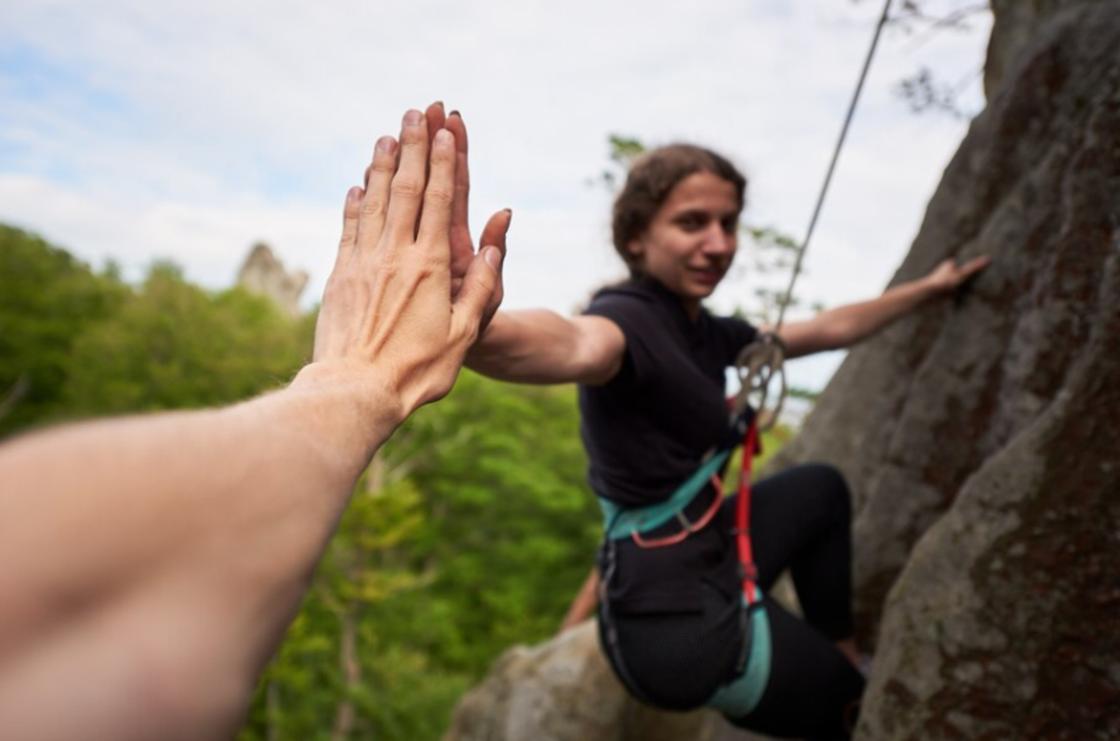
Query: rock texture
{"points": [[262, 273], [913, 413], [1005, 622], [564, 690]]}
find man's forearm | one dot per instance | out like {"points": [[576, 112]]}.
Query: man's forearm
{"points": [[221, 514]]}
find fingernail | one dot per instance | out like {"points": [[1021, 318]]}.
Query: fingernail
{"points": [[413, 117], [455, 113], [493, 257], [444, 137], [509, 216], [439, 103], [354, 194], [385, 144]]}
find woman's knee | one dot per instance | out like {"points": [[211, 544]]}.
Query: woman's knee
{"points": [[830, 487]]}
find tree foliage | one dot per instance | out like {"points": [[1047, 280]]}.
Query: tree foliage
{"points": [[49, 300]]}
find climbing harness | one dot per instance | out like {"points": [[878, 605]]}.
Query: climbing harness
{"points": [[753, 666]]}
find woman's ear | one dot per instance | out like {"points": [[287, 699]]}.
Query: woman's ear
{"points": [[635, 248]]}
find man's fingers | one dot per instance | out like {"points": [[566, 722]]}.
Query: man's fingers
{"points": [[350, 214], [479, 285], [436, 216], [407, 187], [379, 175]]}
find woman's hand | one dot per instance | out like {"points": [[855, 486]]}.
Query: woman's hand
{"points": [[847, 325], [493, 234], [389, 314], [948, 276]]}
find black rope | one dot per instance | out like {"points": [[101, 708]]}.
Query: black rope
{"points": [[832, 165]]}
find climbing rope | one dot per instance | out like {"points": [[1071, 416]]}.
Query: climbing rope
{"points": [[763, 359]]}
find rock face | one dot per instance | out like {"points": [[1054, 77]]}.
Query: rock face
{"points": [[262, 273], [994, 417], [912, 414], [564, 690]]}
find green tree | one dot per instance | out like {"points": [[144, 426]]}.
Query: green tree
{"points": [[174, 345], [49, 301]]}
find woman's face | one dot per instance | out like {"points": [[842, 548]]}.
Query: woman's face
{"points": [[691, 241]]}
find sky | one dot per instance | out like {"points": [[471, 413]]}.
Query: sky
{"points": [[189, 130]]}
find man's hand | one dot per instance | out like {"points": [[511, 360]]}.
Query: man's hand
{"points": [[389, 304]]}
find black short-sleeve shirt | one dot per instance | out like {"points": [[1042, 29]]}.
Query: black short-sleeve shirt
{"points": [[647, 429]]}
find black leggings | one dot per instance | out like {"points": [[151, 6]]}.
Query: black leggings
{"points": [[800, 520]]}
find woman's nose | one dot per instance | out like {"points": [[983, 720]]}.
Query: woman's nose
{"points": [[717, 241]]}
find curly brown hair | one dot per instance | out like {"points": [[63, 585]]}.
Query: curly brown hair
{"points": [[650, 180]]}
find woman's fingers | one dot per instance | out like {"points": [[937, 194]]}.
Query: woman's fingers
{"points": [[462, 173], [494, 233], [407, 187], [462, 246], [435, 218], [974, 266], [435, 117]]}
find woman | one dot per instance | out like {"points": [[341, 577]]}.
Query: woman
{"points": [[650, 361]]}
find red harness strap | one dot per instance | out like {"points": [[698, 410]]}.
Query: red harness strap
{"points": [[748, 572]]}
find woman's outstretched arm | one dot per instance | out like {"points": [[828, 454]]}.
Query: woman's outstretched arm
{"points": [[150, 565], [847, 325], [541, 346]]}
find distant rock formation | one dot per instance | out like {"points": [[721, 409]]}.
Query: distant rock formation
{"points": [[263, 274], [563, 690]]}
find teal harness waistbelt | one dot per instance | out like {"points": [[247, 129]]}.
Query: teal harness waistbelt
{"points": [[622, 522]]}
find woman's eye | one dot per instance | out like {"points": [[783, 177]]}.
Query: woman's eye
{"points": [[730, 225], [691, 222]]}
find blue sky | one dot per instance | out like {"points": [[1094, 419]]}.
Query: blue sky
{"points": [[189, 130]]}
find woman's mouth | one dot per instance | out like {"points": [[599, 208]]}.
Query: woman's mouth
{"points": [[707, 276]]}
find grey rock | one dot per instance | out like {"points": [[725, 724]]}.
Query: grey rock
{"points": [[913, 413], [563, 690], [979, 434], [263, 274]]}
